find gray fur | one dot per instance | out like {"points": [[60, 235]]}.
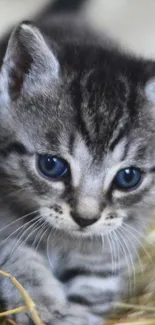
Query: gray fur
{"points": [[69, 98]]}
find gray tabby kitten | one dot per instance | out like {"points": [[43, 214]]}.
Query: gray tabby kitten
{"points": [[77, 152]]}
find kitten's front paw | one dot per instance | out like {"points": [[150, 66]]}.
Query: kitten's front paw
{"points": [[46, 309], [57, 313], [78, 315], [73, 315]]}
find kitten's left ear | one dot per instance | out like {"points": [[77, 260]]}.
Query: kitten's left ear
{"points": [[28, 62]]}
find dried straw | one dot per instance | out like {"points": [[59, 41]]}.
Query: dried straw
{"points": [[140, 308], [29, 303]]}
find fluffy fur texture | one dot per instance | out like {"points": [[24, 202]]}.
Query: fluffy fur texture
{"points": [[64, 93]]}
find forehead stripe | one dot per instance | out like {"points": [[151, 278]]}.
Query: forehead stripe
{"points": [[119, 137]]}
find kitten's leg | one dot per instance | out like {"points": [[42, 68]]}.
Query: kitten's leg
{"points": [[31, 271], [97, 292]]}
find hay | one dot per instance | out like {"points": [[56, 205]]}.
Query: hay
{"points": [[139, 309], [136, 310], [29, 304]]}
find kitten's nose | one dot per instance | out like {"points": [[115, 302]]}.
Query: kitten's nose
{"points": [[82, 222]]}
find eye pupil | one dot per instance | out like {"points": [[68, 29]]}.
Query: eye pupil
{"points": [[128, 178], [49, 163], [53, 167], [129, 174]]}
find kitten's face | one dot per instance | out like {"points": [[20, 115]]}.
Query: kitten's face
{"points": [[77, 144]]}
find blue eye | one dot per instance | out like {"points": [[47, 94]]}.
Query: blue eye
{"points": [[53, 167], [127, 179]]}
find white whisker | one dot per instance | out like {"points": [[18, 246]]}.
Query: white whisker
{"points": [[14, 251], [18, 220], [45, 229], [134, 248], [17, 231], [126, 253], [111, 251], [138, 239], [42, 227], [47, 249]]}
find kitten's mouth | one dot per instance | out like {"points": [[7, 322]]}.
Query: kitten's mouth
{"points": [[97, 227], [94, 231]]}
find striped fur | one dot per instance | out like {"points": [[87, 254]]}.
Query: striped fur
{"points": [[63, 92]]}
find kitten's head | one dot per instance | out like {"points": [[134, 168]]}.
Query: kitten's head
{"points": [[77, 133]]}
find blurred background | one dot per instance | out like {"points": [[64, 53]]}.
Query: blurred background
{"points": [[131, 22]]}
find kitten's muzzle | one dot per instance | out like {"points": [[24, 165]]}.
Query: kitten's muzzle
{"points": [[82, 222]]}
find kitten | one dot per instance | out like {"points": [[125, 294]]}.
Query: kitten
{"points": [[77, 170]]}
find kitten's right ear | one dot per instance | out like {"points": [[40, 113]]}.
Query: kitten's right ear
{"points": [[28, 62]]}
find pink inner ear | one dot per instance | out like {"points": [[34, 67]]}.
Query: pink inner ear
{"points": [[18, 73], [28, 62]]}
